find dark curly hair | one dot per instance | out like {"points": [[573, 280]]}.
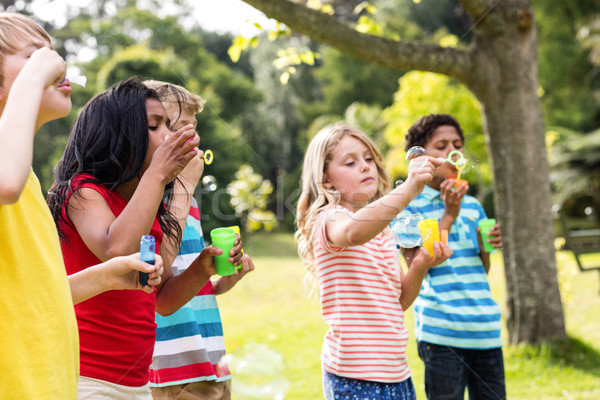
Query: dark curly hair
{"points": [[422, 130], [109, 141]]}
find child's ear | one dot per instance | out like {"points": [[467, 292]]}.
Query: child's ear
{"points": [[326, 184]]}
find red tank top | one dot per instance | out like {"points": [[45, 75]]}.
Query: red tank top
{"points": [[116, 328]]}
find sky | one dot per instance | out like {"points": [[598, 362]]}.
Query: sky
{"points": [[221, 16]]}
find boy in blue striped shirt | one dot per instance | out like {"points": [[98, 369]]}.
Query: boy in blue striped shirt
{"points": [[457, 323]]}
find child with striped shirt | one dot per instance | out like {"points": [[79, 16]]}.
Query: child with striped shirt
{"points": [[187, 360], [344, 239], [457, 322]]}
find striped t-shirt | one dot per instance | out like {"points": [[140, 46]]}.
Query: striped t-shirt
{"points": [[455, 306], [189, 342], [360, 290]]}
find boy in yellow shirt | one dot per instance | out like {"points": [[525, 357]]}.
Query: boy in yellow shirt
{"points": [[39, 347]]}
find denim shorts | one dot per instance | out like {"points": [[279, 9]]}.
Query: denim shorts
{"points": [[341, 388], [449, 370]]}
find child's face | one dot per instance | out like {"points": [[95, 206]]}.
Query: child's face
{"points": [[444, 140], [157, 127], [186, 118], [353, 172], [56, 100]]}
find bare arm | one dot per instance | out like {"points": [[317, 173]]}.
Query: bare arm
{"points": [[20, 120], [345, 230], [183, 193], [225, 283], [452, 198], [118, 273], [420, 263]]}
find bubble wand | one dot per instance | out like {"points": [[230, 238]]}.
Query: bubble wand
{"points": [[208, 157], [460, 162]]}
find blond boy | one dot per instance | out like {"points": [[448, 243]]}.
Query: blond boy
{"points": [[186, 356]]}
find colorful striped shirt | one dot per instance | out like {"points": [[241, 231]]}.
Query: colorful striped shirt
{"points": [[455, 306], [189, 342], [360, 288]]}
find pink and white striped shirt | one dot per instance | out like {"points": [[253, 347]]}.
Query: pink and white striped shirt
{"points": [[360, 290]]}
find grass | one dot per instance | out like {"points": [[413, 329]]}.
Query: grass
{"points": [[270, 306]]}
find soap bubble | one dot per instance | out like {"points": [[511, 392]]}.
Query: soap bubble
{"points": [[415, 151], [398, 182], [406, 231], [259, 373], [209, 183]]}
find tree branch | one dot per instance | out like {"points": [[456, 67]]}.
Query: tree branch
{"points": [[401, 55], [477, 8]]}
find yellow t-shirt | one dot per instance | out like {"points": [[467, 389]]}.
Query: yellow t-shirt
{"points": [[39, 345]]}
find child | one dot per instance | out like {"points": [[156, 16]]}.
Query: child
{"points": [[120, 160], [39, 355], [457, 321], [343, 237], [189, 343]]}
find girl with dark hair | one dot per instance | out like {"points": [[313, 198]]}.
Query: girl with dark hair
{"points": [[112, 186]]}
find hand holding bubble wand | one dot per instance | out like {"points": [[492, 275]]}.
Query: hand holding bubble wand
{"points": [[456, 158]]}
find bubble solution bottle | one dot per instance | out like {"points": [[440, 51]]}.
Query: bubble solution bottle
{"points": [[147, 250]]}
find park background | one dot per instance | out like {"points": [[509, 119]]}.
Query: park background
{"points": [[270, 90]]}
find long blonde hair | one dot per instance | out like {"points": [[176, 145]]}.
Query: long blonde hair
{"points": [[314, 196]]}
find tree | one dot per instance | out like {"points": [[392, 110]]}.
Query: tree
{"points": [[500, 68], [575, 161]]}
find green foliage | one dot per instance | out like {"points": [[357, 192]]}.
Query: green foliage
{"points": [[138, 61], [424, 93], [346, 80], [138, 42], [575, 164], [569, 80], [423, 20], [249, 196]]}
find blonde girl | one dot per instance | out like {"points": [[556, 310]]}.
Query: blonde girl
{"points": [[344, 239]]}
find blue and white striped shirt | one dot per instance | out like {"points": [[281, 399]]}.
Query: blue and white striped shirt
{"points": [[455, 306]]}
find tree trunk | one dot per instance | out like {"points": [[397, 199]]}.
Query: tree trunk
{"points": [[500, 67], [505, 81]]}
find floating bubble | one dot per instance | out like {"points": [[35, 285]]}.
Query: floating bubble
{"points": [[415, 151], [398, 182], [406, 231], [209, 183], [259, 373]]}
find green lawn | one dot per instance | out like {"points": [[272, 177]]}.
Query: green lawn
{"points": [[271, 307]]}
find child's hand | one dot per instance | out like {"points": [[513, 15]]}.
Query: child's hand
{"points": [[495, 237], [421, 170], [191, 174], [204, 264], [227, 282], [174, 153], [235, 254], [122, 272], [47, 64], [441, 252], [452, 196]]}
